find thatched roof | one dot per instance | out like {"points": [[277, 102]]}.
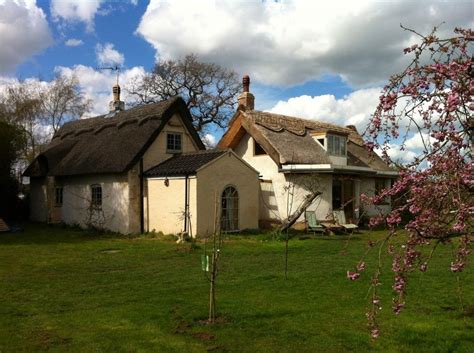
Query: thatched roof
{"points": [[184, 164], [288, 139], [108, 144]]}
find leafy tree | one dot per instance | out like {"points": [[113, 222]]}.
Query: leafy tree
{"points": [[62, 100], [208, 89], [11, 143], [432, 99], [40, 109]]}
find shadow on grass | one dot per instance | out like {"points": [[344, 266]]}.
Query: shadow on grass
{"points": [[44, 234]]}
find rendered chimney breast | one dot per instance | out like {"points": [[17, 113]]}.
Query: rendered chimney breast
{"points": [[246, 99], [116, 104]]}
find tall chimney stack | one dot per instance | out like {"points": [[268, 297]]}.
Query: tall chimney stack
{"points": [[116, 104], [246, 99]]}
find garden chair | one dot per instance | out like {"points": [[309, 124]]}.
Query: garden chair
{"points": [[340, 219], [312, 223]]}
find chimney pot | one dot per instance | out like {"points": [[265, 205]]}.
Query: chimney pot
{"points": [[246, 99], [246, 83]]}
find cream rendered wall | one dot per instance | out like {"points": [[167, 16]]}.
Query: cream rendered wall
{"points": [[213, 178], [274, 196], [112, 215], [165, 205], [38, 200], [156, 153], [270, 199], [367, 186]]}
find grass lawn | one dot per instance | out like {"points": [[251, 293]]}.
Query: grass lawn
{"points": [[68, 290]]}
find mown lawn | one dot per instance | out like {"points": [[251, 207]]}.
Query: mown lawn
{"points": [[69, 290]]}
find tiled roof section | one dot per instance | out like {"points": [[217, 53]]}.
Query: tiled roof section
{"points": [[109, 143], [184, 164]]}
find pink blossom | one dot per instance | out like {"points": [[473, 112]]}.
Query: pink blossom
{"points": [[352, 275], [361, 266]]}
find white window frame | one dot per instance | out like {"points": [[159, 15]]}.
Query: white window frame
{"points": [[174, 150]]}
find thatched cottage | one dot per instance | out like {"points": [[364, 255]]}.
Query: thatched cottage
{"points": [[139, 170], [295, 156]]}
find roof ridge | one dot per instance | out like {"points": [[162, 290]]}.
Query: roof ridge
{"points": [[301, 119]]}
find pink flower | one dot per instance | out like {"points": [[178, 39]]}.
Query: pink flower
{"points": [[457, 266], [361, 266], [397, 307], [352, 275]]}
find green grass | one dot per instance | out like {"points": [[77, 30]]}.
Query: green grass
{"points": [[68, 290]]}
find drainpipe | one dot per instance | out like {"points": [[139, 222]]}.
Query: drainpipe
{"points": [[186, 203], [142, 211]]}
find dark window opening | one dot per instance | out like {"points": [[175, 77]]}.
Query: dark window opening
{"points": [[96, 195], [343, 197], [173, 143], [258, 150], [321, 141], [59, 196], [230, 209]]}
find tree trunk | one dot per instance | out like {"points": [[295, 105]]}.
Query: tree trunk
{"points": [[288, 222]]}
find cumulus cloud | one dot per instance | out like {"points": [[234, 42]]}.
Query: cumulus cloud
{"points": [[290, 42], [73, 11], [24, 32], [353, 109], [209, 141], [97, 85], [107, 55], [73, 42]]}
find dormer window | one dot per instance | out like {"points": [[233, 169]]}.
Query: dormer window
{"points": [[336, 145]]}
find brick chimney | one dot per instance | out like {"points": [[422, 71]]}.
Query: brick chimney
{"points": [[116, 104], [246, 99]]}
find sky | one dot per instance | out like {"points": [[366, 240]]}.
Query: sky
{"points": [[324, 60]]}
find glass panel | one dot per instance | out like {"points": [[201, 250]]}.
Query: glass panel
{"points": [[230, 209]]}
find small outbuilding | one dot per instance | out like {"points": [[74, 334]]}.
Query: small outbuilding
{"points": [[202, 192]]}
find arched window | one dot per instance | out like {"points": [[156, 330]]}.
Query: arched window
{"points": [[230, 209]]}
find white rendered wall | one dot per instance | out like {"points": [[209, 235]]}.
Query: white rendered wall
{"points": [[274, 202], [113, 214]]}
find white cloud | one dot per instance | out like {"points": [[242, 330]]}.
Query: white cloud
{"points": [[289, 42], [353, 109], [107, 55], [97, 85], [73, 42], [24, 32], [209, 140], [72, 11]]}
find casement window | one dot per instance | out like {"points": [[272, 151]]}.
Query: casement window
{"points": [[336, 145], [58, 200], [173, 142], [96, 195], [230, 209]]}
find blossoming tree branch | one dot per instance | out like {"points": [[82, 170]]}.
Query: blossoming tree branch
{"points": [[433, 197]]}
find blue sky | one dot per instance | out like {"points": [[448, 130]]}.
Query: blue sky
{"points": [[320, 60]]}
